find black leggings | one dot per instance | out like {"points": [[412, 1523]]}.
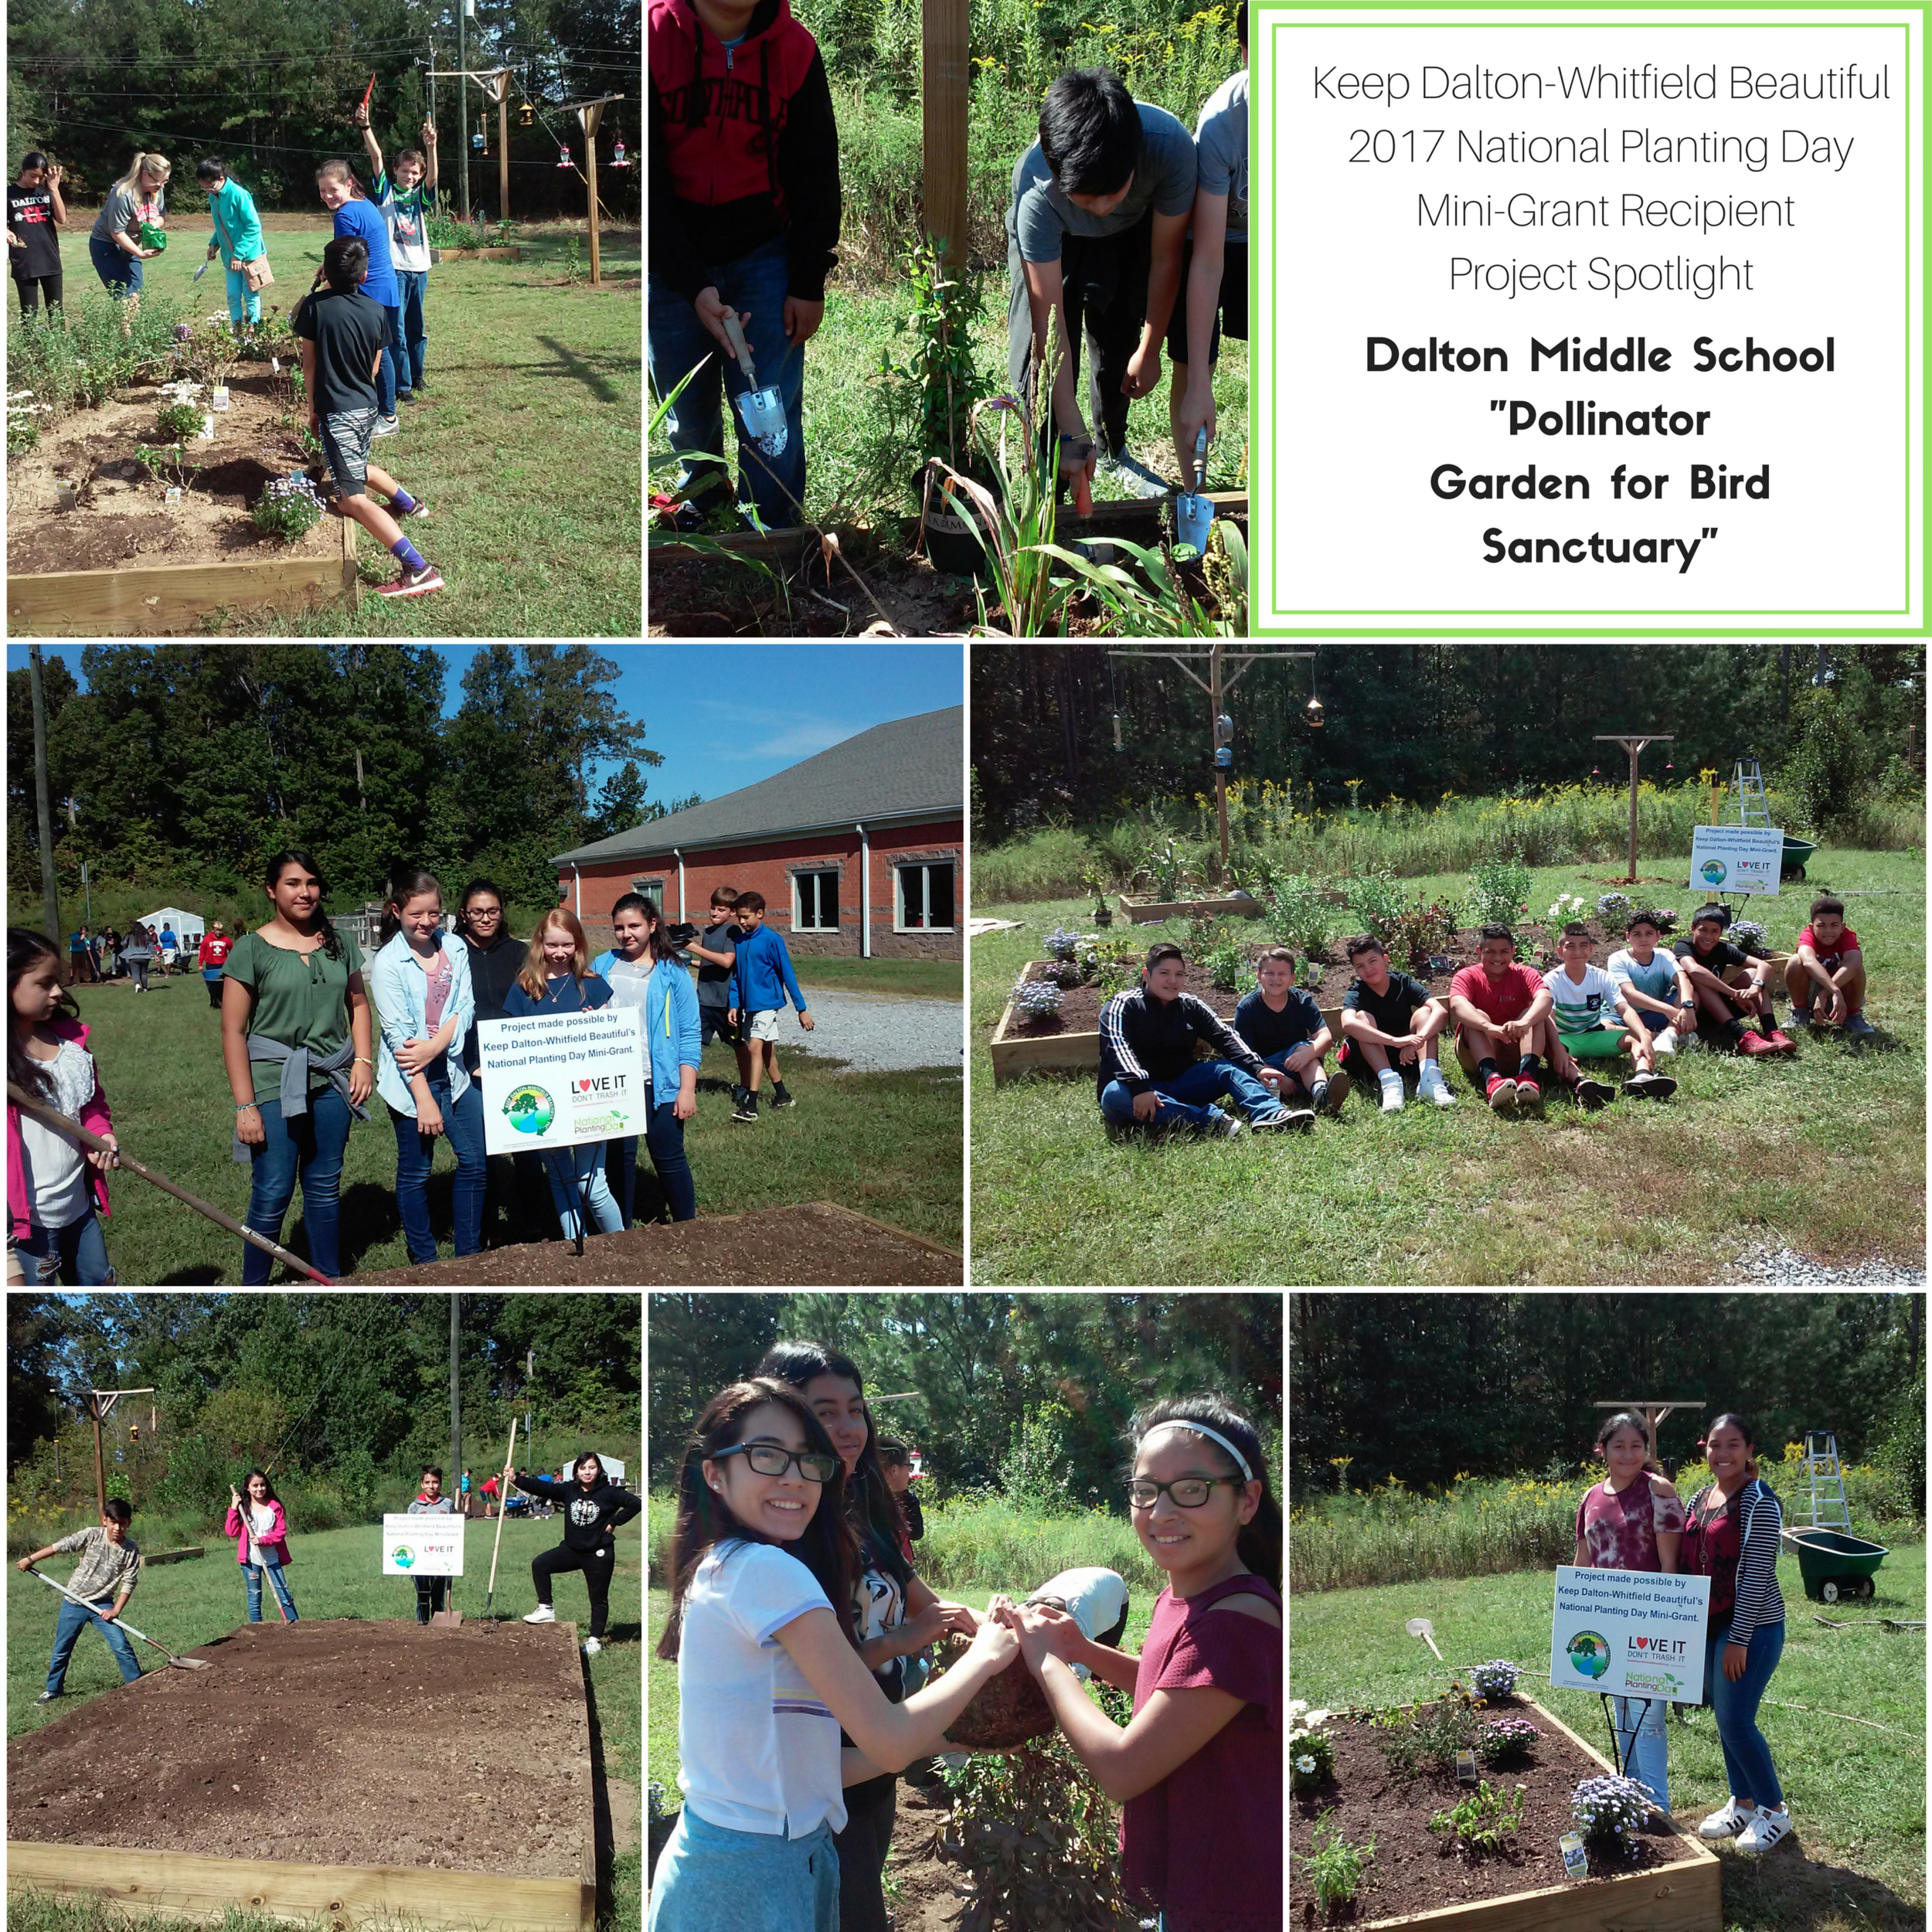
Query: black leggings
{"points": [[596, 1565], [863, 1845], [33, 287]]}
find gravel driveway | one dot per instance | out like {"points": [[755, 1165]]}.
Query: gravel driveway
{"points": [[876, 1033]]}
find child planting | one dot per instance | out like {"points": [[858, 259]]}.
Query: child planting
{"points": [[260, 1531], [1654, 995], [236, 242], [1388, 1024], [1729, 987], [1281, 1021], [104, 1579], [594, 1509], [761, 980], [1829, 964]]}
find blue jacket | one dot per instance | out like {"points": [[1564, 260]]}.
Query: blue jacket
{"points": [[671, 1029], [238, 228], [763, 975], [566, 994], [400, 993]]}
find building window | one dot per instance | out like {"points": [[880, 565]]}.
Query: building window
{"points": [[815, 901], [652, 889], [925, 899]]}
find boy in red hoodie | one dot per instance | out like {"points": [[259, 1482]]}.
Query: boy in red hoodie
{"points": [[745, 208]]}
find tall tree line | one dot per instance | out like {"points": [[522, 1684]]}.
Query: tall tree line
{"points": [[184, 768], [1424, 1386], [1416, 721]]}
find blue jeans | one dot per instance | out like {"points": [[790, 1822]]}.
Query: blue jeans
{"points": [[1187, 1099], [664, 1141], [120, 272], [710, 1879], [1747, 1758], [253, 1573], [1641, 1746], [309, 1149], [757, 284], [407, 335], [1305, 1080], [244, 303], [76, 1255], [576, 1172], [67, 1633], [385, 369], [415, 1154]]}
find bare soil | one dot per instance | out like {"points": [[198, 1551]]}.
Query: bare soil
{"points": [[815, 1244], [122, 514], [927, 1900], [1415, 1869], [712, 597], [315, 1741]]}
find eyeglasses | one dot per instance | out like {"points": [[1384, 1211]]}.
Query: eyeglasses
{"points": [[768, 1459], [485, 912], [1189, 1493]]}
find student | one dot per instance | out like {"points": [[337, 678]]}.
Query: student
{"points": [[432, 1592], [260, 1531], [1829, 960], [489, 1497], [114, 245], [1281, 1021], [896, 1459], [1731, 1536], [109, 1568], [81, 959], [714, 949], [1198, 1772], [1389, 1022], [356, 218], [36, 214], [763, 1568], [1501, 1010], [1584, 1008], [419, 986], [594, 1509], [1214, 262], [212, 955], [1654, 995], [556, 978], [170, 949], [111, 945], [138, 952], [463, 1491], [1712, 964], [761, 980], [236, 242], [341, 332], [1095, 1599], [1633, 1519], [1149, 1075], [295, 1041], [1100, 204], [54, 1203], [406, 205]]}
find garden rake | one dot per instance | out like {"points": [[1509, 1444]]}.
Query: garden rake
{"points": [[180, 1663], [761, 410], [1421, 1627]]}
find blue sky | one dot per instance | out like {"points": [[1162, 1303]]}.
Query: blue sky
{"points": [[724, 716]]}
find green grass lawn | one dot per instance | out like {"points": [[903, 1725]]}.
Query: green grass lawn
{"points": [[908, 978], [1857, 1794], [335, 1574], [1823, 1153], [525, 447]]}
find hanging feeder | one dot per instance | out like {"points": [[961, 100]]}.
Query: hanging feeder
{"points": [[526, 115], [617, 154], [563, 155], [479, 141]]}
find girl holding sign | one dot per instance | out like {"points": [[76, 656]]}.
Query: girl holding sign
{"points": [[1633, 1519], [1732, 1537]]}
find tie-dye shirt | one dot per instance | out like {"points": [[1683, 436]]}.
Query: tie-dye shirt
{"points": [[1619, 1527]]}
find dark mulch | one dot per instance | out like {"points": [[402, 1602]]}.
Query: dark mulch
{"points": [[1412, 1871]]}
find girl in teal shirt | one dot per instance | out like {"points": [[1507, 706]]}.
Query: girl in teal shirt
{"points": [[237, 238]]}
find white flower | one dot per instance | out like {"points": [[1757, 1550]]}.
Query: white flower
{"points": [[1305, 1765]]}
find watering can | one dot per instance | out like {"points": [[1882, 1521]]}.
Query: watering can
{"points": [[761, 410], [1192, 512]]}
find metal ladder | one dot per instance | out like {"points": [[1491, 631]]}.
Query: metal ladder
{"points": [[1826, 1477], [1748, 781]]}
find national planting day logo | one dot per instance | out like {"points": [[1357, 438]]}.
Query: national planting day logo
{"points": [[1713, 872], [530, 1110], [1589, 1654]]}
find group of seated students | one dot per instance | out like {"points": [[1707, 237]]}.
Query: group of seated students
{"points": [[1514, 1027]]}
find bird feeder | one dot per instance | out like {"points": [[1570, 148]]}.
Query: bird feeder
{"points": [[479, 141], [526, 115], [616, 151]]}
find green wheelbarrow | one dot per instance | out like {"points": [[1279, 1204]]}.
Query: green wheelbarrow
{"points": [[1797, 852], [1835, 1565]]}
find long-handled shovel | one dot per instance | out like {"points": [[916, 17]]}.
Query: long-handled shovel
{"points": [[47, 1117], [1421, 1627], [761, 410], [180, 1663], [503, 1496], [1192, 512]]}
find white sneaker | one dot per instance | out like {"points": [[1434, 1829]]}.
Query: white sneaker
{"points": [[1764, 1830], [543, 1614], [1728, 1822], [591, 1647], [1665, 1042], [1391, 1084], [1437, 1090]]}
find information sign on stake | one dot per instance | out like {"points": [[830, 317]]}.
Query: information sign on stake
{"points": [[1736, 859], [559, 1080], [1630, 1633], [423, 1544]]}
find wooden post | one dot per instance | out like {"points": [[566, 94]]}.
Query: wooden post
{"points": [[1633, 743], [945, 91], [100, 1473], [503, 144], [1214, 739], [591, 114]]}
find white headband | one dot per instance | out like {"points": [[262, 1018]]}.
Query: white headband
{"points": [[1202, 1429]]}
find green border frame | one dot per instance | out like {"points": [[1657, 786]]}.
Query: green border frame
{"points": [[1519, 626]]}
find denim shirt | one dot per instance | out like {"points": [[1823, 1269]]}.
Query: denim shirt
{"points": [[399, 991]]}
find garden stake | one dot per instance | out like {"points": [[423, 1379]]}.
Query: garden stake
{"points": [[180, 1663], [502, 1497], [761, 410], [47, 1117], [1421, 1627]]}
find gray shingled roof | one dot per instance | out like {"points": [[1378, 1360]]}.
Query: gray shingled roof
{"points": [[912, 768]]}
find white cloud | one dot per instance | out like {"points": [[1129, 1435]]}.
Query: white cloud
{"points": [[761, 733]]}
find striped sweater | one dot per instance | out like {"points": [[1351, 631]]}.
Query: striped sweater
{"points": [[1144, 1041], [1759, 1602]]}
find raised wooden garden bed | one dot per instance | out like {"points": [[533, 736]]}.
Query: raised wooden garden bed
{"points": [[439, 255], [1148, 912]]}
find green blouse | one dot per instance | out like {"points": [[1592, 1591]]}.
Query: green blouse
{"points": [[301, 999]]}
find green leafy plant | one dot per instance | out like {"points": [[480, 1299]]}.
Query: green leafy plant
{"points": [[178, 421], [1335, 1869], [1299, 914], [938, 367], [1311, 1749], [1433, 1735], [1499, 892], [1418, 932], [1375, 900], [573, 258], [1483, 1822], [1506, 1740], [168, 463], [1225, 966], [1167, 868], [1162, 597]]}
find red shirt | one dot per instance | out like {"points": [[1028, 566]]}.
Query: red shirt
{"points": [[1507, 998], [1848, 942], [1205, 1842], [215, 948]]}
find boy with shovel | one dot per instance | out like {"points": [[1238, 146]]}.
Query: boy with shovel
{"points": [[110, 1567]]}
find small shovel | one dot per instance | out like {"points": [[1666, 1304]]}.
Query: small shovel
{"points": [[1420, 1626], [1192, 514], [180, 1663], [761, 410]]}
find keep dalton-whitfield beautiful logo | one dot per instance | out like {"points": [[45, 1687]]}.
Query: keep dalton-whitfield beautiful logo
{"points": [[1589, 1654], [529, 1108]]}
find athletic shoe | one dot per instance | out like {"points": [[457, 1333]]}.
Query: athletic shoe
{"points": [[1437, 1090], [1666, 1041], [1222, 1126], [1801, 1016], [1728, 1822], [1764, 1830], [47, 1697], [1659, 1087], [591, 1647], [780, 1098], [418, 507], [1782, 1042], [1330, 1093], [1122, 470], [1501, 1094], [1859, 1027], [1754, 1045], [1591, 1094], [543, 1614], [747, 1107], [1392, 1095], [1300, 1118], [385, 426], [1529, 1097], [412, 584]]}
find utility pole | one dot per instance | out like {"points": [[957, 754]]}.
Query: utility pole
{"points": [[49, 891], [456, 1400], [1635, 746], [530, 1374], [463, 98]]}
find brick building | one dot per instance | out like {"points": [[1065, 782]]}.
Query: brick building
{"points": [[859, 851]]}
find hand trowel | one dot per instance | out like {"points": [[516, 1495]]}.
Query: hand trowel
{"points": [[1193, 512], [761, 410]]}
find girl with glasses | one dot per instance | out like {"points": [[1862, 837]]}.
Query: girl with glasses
{"points": [[1197, 1771], [763, 1563]]}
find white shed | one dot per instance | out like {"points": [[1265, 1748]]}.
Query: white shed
{"points": [[189, 926]]}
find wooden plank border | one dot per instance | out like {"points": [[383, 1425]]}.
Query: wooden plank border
{"points": [[1147, 912]]}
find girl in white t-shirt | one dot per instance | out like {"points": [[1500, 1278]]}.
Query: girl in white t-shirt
{"points": [[762, 1562]]}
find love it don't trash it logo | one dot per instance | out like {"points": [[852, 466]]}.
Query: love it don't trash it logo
{"points": [[529, 1108], [1589, 1654]]}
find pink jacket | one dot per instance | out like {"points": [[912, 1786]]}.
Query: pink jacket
{"points": [[94, 1117], [276, 1539]]}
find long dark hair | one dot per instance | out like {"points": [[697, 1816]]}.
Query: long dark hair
{"points": [[1624, 1420], [268, 1488], [294, 855], [828, 1548], [657, 948], [25, 948], [1257, 1543], [405, 881], [463, 907], [589, 1455], [1745, 1429], [869, 1502]]}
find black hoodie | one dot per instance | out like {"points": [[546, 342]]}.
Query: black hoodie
{"points": [[589, 1515]]}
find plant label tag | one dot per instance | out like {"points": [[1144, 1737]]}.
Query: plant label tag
{"points": [[275, 365], [207, 428], [220, 400], [174, 495], [1465, 1768], [1576, 1861]]}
